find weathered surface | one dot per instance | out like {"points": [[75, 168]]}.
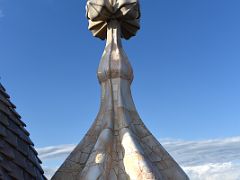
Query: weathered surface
{"points": [[118, 146], [18, 158], [100, 12]]}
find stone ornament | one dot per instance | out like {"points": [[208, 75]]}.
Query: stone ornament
{"points": [[118, 146], [100, 12]]}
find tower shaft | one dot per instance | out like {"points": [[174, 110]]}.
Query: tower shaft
{"points": [[118, 146]]}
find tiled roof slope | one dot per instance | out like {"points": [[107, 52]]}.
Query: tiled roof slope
{"points": [[18, 158]]}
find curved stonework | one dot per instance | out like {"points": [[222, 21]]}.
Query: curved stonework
{"points": [[100, 12], [118, 146], [18, 158]]}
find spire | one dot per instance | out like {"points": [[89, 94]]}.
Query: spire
{"points": [[118, 146], [18, 158]]}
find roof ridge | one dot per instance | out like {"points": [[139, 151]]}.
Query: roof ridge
{"points": [[18, 157]]}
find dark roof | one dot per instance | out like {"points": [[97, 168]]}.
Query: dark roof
{"points": [[18, 158]]}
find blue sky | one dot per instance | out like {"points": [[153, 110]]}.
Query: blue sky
{"points": [[185, 59]]}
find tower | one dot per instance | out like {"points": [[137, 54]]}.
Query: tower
{"points": [[118, 146]]}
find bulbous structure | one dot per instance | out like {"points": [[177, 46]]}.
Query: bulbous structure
{"points": [[118, 146]]}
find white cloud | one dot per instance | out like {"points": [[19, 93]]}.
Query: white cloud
{"points": [[218, 171], [193, 153], [217, 159], [48, 172], [55, 151]]}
